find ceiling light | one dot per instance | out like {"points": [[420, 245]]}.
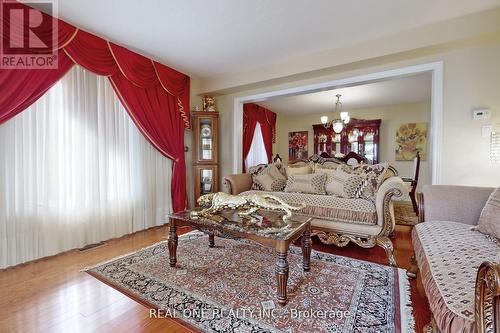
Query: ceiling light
{"points": [[338, 126], [340, 118]]}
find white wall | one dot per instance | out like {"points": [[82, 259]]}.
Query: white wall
{"points": [[471, 79], [392, 117]]}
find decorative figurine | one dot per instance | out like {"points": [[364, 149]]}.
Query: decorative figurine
{"points": [[208, 104], [213, 203]]}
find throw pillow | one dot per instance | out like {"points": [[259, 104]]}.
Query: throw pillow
{"points": [[268, 183], [489, 220], [344, 184], [304, 170], [278, 185], [265, 169], [275, 173], [373, 176], [313, 183], [265, 181], [325, 167]]}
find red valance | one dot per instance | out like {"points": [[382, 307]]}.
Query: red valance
{"points": [[253, 114], [155, 96]]}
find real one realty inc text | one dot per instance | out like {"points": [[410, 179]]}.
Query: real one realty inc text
{"points": [[248, 313]]}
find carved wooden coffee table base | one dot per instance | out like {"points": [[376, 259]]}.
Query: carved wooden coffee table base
{"points": [[281, 244]]}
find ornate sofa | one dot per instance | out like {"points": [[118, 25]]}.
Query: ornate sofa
{"points": [[459, 267], [339, 220]]}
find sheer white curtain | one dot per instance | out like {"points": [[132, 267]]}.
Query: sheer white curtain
{"points": [[257, 153], [74, 170]]}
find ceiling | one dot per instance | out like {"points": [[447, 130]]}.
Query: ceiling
{"points": [[411, 89], [205, 38]]}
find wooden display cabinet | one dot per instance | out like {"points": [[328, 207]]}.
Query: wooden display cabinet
{"points": [[205, 136], [359, 136]]}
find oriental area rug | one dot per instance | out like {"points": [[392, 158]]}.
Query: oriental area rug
{"points": [[232, 288]]}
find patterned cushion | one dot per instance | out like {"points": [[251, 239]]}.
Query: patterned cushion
{"points": [[489, 221], [302, 170], [269, 183], [264, 169], [312, 183], [278, 185], [454, 252], [265, 181], [275, 172], [373, 176], [327, 207], [341, 183], [325, 166], [326, 171]]}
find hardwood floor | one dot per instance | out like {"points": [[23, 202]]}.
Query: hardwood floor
{"points": [[53, 295]]}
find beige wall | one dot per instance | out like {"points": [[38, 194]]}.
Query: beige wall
{"points": [[423, 40], [471, 79], [392, 117]]}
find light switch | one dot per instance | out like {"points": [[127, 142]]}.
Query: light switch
{"points": [[486, 131]]}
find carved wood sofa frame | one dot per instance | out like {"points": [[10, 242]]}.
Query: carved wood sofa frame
{"points": [[487, 290], [329, 237]]}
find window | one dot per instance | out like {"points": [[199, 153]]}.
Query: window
{"points": [[75, 170], [257, 154]]}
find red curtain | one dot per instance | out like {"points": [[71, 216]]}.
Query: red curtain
{"points": [[155, 96], [22, 87], [253, 114]]}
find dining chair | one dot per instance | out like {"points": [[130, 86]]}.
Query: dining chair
{"points": [[414, 182]]}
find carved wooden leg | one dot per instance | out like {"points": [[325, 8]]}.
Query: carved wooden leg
{"points": [[172, 243], [211, 239], [412, 272], [385, 243], [306, 248], [282, 276]]}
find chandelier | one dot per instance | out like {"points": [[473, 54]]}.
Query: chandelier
{"points": [[340, 118]]}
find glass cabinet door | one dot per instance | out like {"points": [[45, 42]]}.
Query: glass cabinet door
{"points": [[206, 139], [336, 144], [353, 141], [369, 147], [205, 180]]}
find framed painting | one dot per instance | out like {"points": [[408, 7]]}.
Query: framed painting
{"points": [[410, 139], [297, 145]]}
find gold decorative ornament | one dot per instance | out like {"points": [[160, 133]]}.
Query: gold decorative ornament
{"points": [[213, 203], [487, 296], [208, 104]]}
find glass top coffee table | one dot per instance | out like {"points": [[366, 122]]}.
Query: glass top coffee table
{"points": [[268, 229]]}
